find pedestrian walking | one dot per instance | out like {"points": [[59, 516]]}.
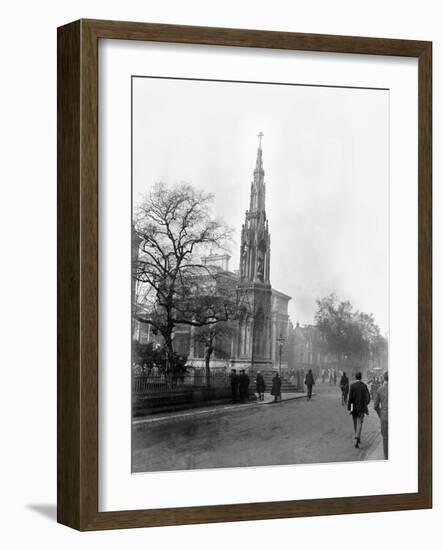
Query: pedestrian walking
{"points": [[309, 382], [334, 377], [276, 387], [243, 380], [381, 408], [234, 385], [374, 387], [299, 379], [344, 386], [260, 386], [359, 399]]}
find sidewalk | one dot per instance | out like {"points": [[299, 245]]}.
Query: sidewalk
{"points": [[376, 452], [285, 397], [268, 400]]}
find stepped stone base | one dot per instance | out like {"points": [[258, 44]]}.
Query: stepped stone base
{"points": [[268, 372]]}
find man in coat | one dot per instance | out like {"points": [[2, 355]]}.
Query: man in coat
{"points": [[260, 386], [234, 385], [276, 387], [309, 382], [381, 408], [243, 380], [359, 399]]}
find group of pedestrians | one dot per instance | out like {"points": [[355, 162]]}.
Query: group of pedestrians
{"points": [[358, 402], [277, 382], [330, 375], [239, 386], [356, 397]]}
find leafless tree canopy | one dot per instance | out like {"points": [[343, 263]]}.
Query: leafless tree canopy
{"points": [[176, 229]]}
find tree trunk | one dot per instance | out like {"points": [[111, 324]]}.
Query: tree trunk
{"points": [[169, 357], [208, 354]]}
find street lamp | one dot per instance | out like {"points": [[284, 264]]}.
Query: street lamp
{"points": [[280, 342]]}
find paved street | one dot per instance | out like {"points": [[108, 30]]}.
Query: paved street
{"points": [[291, 432]]}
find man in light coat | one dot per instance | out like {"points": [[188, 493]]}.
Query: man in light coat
{"points": [[381, 408]]}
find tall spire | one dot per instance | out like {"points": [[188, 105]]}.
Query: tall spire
{"points": [[255, 246], [254, 334], [257, 202], [259, 162]]}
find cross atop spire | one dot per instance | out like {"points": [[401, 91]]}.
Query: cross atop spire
{"points": [[260, 135], [259, 161], [258, 185]]}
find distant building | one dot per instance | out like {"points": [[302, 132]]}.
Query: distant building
{"points": [[308, 348]]}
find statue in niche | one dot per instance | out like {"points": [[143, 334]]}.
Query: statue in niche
{"points": [[244, 254], [261, 267], [261, 260]]}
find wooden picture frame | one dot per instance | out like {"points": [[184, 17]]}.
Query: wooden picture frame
{"points": [[77, 456]]}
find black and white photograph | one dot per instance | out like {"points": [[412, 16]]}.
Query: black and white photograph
{"points": [[223, 218], [260, 274]]}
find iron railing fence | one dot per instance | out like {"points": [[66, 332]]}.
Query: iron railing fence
{"points": [[160, 383]]}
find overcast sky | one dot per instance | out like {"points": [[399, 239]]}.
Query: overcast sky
{"points": [[326, 162]]}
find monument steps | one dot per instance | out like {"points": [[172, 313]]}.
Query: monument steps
{"points": [[286, 387]]}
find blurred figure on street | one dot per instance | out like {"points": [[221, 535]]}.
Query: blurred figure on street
{"points": [[374, 387], [260, 386], [344, 386], [359, 399], [243, 380], [381, 408], [276, 387], [234, 385], [299, 380], [309, 382]]}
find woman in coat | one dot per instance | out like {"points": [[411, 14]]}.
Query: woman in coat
{"points": [[260, 386], [276, 387]]}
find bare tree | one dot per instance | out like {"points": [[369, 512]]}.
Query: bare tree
{"points": [[175, 228]]}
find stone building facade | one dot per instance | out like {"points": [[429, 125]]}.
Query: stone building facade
{"points": [[308, 348]]}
